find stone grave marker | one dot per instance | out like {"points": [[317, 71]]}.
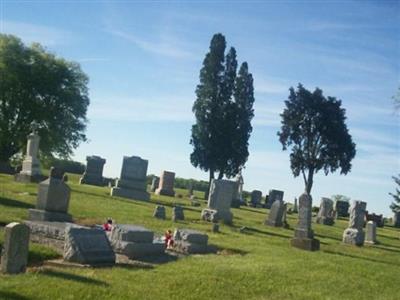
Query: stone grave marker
{"points": [[166, 185], [370, 236], [354, 234], [273, 196], [93, 174], [326, 214]]}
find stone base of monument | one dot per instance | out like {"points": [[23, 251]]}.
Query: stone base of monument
{"points": [[42, 215], [51, 234], [274, 223], [189, 241], [325, 221], [353, 236], [212, 215], [91, 181], [305, 244], [130, 194], [236, 203], [165, 192], [26, 178]]}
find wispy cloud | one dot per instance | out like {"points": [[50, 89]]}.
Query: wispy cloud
{"points": [[45, 35]]}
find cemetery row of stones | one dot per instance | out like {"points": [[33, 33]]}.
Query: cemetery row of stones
{"points": [[51, 224]]}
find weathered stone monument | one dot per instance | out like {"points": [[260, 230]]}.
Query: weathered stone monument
{"points": [[93, 174], [326, 214], [159, 212], [273, 196], [370, 229], [256, 198], [133, 183], [342, 208], [154, 183], [379, 220], [87, 246], [303, 234], [396, 219], [190, 241], [31, 166], [276, 214], [177, 213], [14, 256], [354, 234], [219, 202], [135, 241], [295, 206], [166, 185], [52, 199]]}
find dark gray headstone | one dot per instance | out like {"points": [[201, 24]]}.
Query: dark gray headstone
{"points": [[396, 219], [256, 198], [159, 212], [276, 214], [273, 196], [93, 174], [177, 214]]}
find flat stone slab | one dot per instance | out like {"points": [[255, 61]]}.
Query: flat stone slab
{"points": [[42, 215], [191, 236], [305, 244], [137, 250], [131, 233], [130, 194], [55, 230], [190, 248]]}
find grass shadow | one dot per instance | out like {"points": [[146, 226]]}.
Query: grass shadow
{"points": [[256, 211], [388, 237], [328, 237], [214, 249], [159, 259], [15, 203], [73, 277], [361, 258], [255, 230], [12, 296]]}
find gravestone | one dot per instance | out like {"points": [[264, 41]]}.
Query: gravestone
{"points": [[378, 219], [273, 196], [354, 234], [14, 256], [133, 182], [236, 202], [256, 198], [342, 208], [135, 241], [370, 236], [219, 201], [303, 234], [30, 165], [396, 219], [295, 206], [87, 246], [326, 214], [52, 199], [93, 174], [154, 183], [159, 212], [177, 213], [276, 214], [189, 241], [166, 185], [284, 219]]}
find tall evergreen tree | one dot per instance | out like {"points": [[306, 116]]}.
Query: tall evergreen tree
{"points": [[395, 206], [223, 111]]}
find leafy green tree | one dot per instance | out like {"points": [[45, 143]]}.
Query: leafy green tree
{"points": [[36, 86], [395, 206], [314, 127], [223, 112], [340, 198]]}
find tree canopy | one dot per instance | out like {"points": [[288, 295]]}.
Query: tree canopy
{"points": [[314, 127], [223, 110], [395, 206], [37, 86]]}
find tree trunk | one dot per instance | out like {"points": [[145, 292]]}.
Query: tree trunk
{"points": [[309, 182], [221, 175], [209, 184]]}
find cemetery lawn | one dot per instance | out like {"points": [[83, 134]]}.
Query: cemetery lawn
{"points": [[256, 264]]}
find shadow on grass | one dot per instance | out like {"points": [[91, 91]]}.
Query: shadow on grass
{"points": [[12, 296], [101, 195], [159, 259], [213, 249], [386, 247], [328, 237], [15, 203], [73, 277], [253, 210], [362, 258], [388, 237], [255, 230]]}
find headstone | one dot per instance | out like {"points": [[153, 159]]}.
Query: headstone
{"points": [[273, 196], [370, 236], [6, 168], [326, 215], [93, 174], [177, 213], [133, 182], [295, 206], [284, 220], [166, 185], [14, 256], [396, 219], [236, 201], [190, 241], [378, 219], [155, 181], [256, 198], [52, 199], [276, 214], [215, 227], [190, 189], [31, 166], [219, 201], [342, 208], [87, 246], [354, 234], [159, 212], [135, 241], [303, 234]]}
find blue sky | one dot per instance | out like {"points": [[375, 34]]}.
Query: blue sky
{"points": [[143, 61]]}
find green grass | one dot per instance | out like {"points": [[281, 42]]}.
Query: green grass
{"points": [[256, 264]]}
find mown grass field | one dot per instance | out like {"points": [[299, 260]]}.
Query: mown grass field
{"points": [[256, 264]]}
